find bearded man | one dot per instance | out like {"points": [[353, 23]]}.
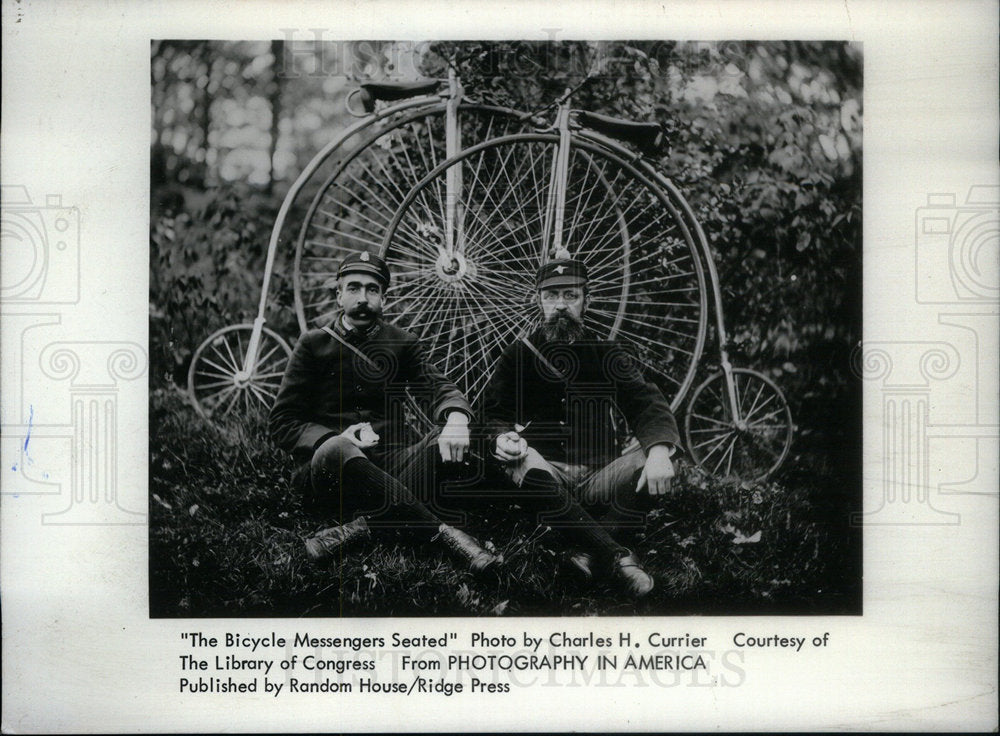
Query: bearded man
{"points": [[338, 412], [550, 408]]}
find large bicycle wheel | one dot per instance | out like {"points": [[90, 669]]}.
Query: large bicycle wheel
{"points": [[647, 283], [352, 208], [226, 394], [750, 446]]}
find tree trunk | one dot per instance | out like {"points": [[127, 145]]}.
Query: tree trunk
{"points": [[274, 97]]}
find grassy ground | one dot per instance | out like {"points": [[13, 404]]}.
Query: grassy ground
{"points": [[226, 539]]}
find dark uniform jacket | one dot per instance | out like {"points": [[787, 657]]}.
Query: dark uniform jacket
{"points": [[327, 388], [572, 410]]}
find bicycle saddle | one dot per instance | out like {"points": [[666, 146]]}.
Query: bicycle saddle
{"points": [[390, 91], [647, 136]]}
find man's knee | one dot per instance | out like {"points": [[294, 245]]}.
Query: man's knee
{"points": [[616, 481], [331, 456], [531, 466]]}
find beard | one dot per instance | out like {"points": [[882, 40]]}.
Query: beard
{"points": [[562, 327]]}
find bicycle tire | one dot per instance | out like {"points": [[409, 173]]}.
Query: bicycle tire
{"points": [[217, 385], [647, 280], [751, 449]]}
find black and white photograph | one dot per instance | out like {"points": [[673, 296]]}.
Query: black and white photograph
{"points": [[505, 328]]}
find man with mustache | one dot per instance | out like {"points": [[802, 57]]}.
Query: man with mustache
{"points": [[550, 407], [339, 413]]}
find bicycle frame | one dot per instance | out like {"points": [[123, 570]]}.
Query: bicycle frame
{"points": [[555, 208], [453, 96], [713, 277]]}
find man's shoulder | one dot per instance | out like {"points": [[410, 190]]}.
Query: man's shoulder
{"points": [[314, 337], [393, 334]]}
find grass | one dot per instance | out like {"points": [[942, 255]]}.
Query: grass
{"points": [[227, 532]]}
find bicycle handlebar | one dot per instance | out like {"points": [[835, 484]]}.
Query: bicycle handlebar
{"points": [[647, 136]]}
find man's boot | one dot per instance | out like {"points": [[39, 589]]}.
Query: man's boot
{"points": [[466, 548], [581, 564], [326, 544], [630, 575]]}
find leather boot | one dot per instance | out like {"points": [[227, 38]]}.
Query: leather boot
{"points": [[326, 544], [465, 548], [582, 565], [627, 571]]}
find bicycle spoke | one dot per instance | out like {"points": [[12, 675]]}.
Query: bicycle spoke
{"points": [[635, 320], [745, 413], [719, 443], [711, 420], [226, 371], [218, 396], [216, 384], [728, 452], [769, 415], [731, 451]]}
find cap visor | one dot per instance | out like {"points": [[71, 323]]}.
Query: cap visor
{"points": [[561, 281], [362, 268]]}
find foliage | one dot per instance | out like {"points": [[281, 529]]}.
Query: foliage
{"points": [[205, 268]]}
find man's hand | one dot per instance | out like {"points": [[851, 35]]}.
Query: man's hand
{"points": [[657, 472], [361, 435], [510, 447], [454, 440]]}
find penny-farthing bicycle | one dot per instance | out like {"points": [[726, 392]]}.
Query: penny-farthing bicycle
{"points": [[360, 178], [464, 231], [579, 188]]}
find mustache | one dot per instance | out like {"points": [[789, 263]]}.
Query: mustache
{"points": [[563, 318]]}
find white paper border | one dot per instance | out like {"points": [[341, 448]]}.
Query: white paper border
{"points": [[79, 651]]}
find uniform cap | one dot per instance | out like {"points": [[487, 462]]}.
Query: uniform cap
{"points": [[561, 272], [365, 262]]}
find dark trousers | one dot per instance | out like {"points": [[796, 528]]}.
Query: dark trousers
{"points": [[608, 493], [394, 487], [410, 489]]}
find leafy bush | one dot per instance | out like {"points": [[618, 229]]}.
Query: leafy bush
{"points": [[206, 266]]}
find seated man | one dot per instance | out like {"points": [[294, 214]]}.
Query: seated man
{"points": [[550, 406], [338, 412]]}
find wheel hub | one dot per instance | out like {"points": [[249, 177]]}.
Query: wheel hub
{"points": [[241, 379], [452, 268]]}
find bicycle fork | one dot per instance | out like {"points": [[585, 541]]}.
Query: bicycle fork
{"points": [[453, 181], [555, 206]]}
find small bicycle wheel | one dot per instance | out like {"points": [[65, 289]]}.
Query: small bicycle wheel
{"points": [[226, 394], [352, 208], [647, 283], [749, 447]]}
